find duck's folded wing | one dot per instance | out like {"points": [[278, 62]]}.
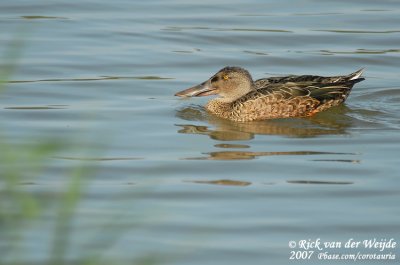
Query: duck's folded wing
{"points": [[319, 91], [333, 91], [309, 79]]}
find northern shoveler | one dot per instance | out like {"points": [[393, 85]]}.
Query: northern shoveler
{"points": [[242, 99]]}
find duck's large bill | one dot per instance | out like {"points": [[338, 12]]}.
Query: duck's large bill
{"points": [[204, 89]]}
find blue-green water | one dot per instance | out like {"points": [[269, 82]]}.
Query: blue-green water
{"points": [[177, 183]]}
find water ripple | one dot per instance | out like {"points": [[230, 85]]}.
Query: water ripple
{"points": [[239, 155], [223, 182], [319, 182], [358, 31]]}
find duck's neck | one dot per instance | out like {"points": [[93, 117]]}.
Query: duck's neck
{"points": [[224, 106], [240, 91], [220, 107]]}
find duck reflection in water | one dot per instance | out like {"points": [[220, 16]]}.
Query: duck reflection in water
{"points": [[330, 122]]}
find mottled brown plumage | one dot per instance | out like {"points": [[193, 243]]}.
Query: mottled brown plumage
{"points": [[241, 99]]}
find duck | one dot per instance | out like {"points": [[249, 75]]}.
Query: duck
{"points": [[241, 99]]}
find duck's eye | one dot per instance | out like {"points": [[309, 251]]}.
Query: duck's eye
{"points": [[225, 77]]}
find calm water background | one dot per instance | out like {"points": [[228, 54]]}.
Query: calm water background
{"points": [[170, 179]]}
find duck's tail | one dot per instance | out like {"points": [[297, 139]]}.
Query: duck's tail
{"points": [[356, 76], [337, 89]]}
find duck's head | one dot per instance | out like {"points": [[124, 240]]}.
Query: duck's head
{"points": [[230, 83]]}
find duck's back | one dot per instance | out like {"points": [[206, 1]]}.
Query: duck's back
{"points": [[308, 79]]}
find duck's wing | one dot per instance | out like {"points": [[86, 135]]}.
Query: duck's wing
{"points": [[308, 80], [320, 93]]}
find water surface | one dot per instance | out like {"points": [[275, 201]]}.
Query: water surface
{"points": [[174, 182]]}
